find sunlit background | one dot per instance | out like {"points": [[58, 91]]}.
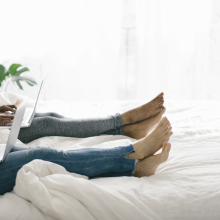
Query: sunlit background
{"points": [[113, 49]]}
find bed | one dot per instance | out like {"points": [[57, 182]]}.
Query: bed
{"points": [[186, 186]]}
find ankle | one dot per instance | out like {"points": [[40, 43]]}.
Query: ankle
{"points": [[127, 130], [138, 154], [137, 172], [126, 118]]}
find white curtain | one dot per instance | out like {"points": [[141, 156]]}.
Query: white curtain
{"points": [[74, 44], [178, 49]]}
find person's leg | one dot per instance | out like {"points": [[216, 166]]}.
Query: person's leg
{"points": [[56, 125], [152, 142], [146, 166], [95, 162], [149, 165], [132, 116], [142, 128], [79, 128], [15, 148], [89, 161], [145, 111]]}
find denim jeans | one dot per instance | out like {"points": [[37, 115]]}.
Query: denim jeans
{"points": [[91, 162]]}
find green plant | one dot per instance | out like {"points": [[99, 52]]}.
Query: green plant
{"points": [[14, 74]]}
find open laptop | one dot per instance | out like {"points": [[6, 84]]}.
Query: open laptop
{"points": [[15, 128], [28, 115], [30, 112]]}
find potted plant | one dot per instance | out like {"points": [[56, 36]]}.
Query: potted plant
{"points": [[13, 74]]}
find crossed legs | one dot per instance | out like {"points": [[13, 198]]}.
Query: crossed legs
{"points": [[144, 123]]}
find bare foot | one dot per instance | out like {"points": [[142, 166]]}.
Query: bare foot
{"points": [[150, 144], [143, 112], [141, 129], [148, 166]]}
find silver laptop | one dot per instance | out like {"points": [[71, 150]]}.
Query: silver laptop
{"points": [[15, 128], [30, 112], [28, 115]]}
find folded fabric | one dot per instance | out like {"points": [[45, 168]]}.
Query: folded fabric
{"points": [[63, 195]]}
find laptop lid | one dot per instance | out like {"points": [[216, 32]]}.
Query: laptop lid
{"points": [[15, 128], [35, 107]]}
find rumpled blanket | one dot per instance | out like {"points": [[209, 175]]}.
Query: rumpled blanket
{"points": [[63, 195]]}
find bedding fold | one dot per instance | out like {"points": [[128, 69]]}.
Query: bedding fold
{"points": [[63, 195]]}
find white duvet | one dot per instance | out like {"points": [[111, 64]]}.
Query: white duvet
{"points": [[187, 186]]}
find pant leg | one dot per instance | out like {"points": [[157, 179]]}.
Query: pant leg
{"points": [[92, 162], [116, 131], [51, 114], [80, 128]]}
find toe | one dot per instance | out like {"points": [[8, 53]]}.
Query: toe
{"points": [[168, 147], [159, 102], [159, 109], [166, 124], [161, 94], [164, 146], [163, 121], [163, 110], [169, 134], [165, 151]]}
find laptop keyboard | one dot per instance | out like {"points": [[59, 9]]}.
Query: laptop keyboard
{"points": [[24, 121]]}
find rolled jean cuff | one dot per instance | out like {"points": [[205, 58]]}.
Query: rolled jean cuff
{"points": [[118, 120], [118, 126], [124, 166], [126, 163]]}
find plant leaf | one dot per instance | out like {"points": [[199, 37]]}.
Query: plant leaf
{"points": [[13, 69], [22, 70], [19, 84], [30, 84], [2, 74], [28, 80]]}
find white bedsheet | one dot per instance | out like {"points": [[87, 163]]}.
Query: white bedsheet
{"points": [[185, 187]]}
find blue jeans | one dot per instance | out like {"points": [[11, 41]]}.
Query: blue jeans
{"points": [[92, 162]]}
